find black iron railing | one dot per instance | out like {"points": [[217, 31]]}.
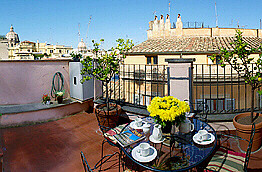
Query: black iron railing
{"points": [[137, 85], [221, 90]]}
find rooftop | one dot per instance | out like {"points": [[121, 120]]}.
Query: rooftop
{"points": [[190, 44]]}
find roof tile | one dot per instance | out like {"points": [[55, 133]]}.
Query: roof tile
{"points": [[191, 44]]}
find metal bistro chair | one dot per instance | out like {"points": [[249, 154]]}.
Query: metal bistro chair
{"points": [[200, 111], [108, 124], [85, 164], [228, 160]]}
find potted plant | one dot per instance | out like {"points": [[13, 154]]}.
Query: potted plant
{"points": [[46, 99], [59, 96], [168, 110], [104, 68], [249, 69]]}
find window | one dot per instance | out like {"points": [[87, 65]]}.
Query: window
{"points": [[60, 51], [12, 45], [215, 104], [51, 51], [152, 60]]}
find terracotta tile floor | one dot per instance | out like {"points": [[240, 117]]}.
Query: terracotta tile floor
{"points": [[55, 146]]}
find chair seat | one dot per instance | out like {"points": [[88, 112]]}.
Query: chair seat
{"points": [[226, 160], [110, 133]]}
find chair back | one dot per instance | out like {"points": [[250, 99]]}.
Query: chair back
{"points": [[200, 108], [249, 146], [85, 164]]}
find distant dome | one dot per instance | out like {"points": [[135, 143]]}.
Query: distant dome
{"points": [[81, 45], [12, 36]]}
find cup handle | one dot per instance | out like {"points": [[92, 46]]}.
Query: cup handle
{"points": [[192, 127]]}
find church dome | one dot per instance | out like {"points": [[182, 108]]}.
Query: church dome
{"points": [[12, 36], [81, 45]]}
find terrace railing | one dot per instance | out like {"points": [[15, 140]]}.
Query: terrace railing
{"points": [[221, 90], [137, 85]]}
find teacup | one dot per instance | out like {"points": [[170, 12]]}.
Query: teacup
{"points": [[146, 128], [138, 122], [143, 149], [203, 135]]}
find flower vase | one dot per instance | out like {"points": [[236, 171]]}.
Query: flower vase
{"points": [[47, 102], [59, 99]]}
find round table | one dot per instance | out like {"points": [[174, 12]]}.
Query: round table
{"points": [[178, 152]]}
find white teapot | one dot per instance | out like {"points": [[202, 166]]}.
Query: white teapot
{"points": [[157, 132], [186, 126]]}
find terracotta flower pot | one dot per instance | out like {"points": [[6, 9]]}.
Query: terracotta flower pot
{"points": [[59, 99], [108, 120], [244, 131]]}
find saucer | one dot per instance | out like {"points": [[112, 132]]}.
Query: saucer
{"points": [[152, 155], [133, 125], [151, 138], [196, 139]]}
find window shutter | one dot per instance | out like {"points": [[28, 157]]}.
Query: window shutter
{"points": [[230, 104], [219, 105]]}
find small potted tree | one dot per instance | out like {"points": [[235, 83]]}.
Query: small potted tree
{"points": [[103, 68], [251, 70], [76, 57]]}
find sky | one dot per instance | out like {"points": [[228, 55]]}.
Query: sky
{"points": [[57, 21]]}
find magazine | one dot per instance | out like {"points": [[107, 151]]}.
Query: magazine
{"points": [[129, 137]]}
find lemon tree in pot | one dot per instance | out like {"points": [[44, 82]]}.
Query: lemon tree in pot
{"points": [[103, 68], [251, 70]]}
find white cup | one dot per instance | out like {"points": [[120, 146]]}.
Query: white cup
{"points": [[143, 149], [138, 122], [203, 135], [146, 128]]}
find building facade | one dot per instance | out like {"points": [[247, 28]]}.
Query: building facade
{"points": [[31, 50], [165, 42], [221, 89], [3, 48]]}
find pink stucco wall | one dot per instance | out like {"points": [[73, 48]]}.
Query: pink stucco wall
{"points": [[23, 82]]}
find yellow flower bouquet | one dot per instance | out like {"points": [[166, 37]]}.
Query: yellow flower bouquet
{"points": [[168, 109]]}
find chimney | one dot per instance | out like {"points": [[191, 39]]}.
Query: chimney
{"points": [[155, 25], [151, 25], [167, 24]]}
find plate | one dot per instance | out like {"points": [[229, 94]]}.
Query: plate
{"points": [[151, 138], [152, 155], [196, 136], [133, 125]]}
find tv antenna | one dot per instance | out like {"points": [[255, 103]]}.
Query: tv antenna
{"points": [[169, 8], [90, 18], [231, 23], [154, 13], [78, 32], [216, 14]]}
